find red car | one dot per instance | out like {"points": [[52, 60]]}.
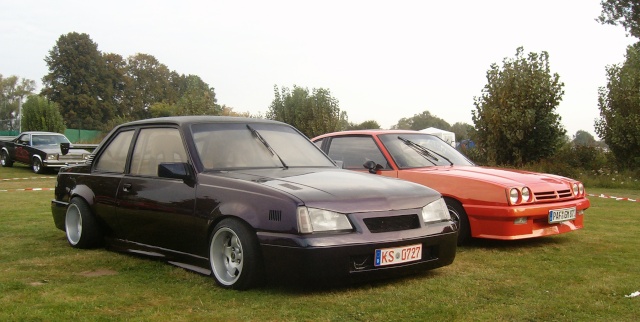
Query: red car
{"points": [[486, 202]]}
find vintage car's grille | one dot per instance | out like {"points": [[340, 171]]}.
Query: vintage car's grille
{"points": [[394, 223], [70, 157], [553, 195]]}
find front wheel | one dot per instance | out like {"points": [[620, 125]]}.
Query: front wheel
{"points": [[460, 217], [37, 167], [234, 255], [81, 226], [5, 159]]}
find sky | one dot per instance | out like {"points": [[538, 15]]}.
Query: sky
{"points": [[383, 60]]}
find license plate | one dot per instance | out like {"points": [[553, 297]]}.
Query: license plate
{"points": [[397, 255], [560, 215]]}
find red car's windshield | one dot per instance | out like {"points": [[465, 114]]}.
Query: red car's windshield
{"points": [[414, 150]]}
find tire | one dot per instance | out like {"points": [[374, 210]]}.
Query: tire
{"points": [[36, 166], [460, 217], [5, 160], [80, 225], [234, 255]]}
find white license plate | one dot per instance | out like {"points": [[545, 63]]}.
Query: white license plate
{"points": [[397, 255], [560, 215]]}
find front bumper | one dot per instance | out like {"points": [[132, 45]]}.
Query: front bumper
{"points": [[60, 164], [59, 210], [351, 256], [497, 222]]}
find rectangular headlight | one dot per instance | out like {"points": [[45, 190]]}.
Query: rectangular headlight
{"points": [[435, 211], [319, 220], [52, 156]]}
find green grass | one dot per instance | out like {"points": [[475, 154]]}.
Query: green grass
{"points": [[583, 275]]}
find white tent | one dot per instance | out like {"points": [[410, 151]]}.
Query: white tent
{"points": [[446, 136]]}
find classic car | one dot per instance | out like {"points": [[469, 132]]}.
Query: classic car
{"points": [[486, 202], [244, 200], [42, 151]]}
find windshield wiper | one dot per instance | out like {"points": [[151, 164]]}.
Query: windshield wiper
{"points": [[269, 148], [424, 150]]}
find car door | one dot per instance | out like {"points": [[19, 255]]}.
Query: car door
{"points": [[152, 210], [21, 150], [351, 152]]}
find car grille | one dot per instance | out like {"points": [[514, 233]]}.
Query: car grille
{"points": [[70, 157], [394, 223], [545, 196]]}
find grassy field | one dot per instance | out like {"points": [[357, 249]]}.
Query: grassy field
{"points": [[583, 275]]}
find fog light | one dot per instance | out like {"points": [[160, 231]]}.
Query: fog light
{"points": [[580, 212], [520, 221]]}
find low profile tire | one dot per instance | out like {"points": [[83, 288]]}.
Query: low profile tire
{"points": [[36, 166], [5, 160], [81, 226], [234, 255], [460, 217]]}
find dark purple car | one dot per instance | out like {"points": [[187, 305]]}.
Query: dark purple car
{"points": [[239, 197]]}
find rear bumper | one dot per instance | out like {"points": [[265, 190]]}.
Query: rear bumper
{"points": [[495, 222], [58, 210]]}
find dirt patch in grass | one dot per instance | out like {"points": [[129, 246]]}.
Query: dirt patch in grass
{"points": [[98, 272]]}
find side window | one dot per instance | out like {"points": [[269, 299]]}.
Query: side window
{"points": [[24, 139], [155, 146], [354, 151], [114, 157]]}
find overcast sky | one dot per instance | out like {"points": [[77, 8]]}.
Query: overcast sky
{"points": [[383, 60]]}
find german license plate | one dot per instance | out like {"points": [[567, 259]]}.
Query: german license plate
{"points": [[397, 255], [560, 215]]}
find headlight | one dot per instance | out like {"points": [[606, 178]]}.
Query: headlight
{"points": [[435, 211], [317, 220], [575, 189], [52, 156], [581, 188], [526, 194], [514, 196]]}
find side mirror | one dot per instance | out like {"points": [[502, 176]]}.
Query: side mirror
{"points": [[175, 170], [64, 147], [372, 166]]}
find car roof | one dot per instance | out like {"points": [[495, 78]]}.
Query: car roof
{"points": [[41, 133], [192, 119], [368, 132]]}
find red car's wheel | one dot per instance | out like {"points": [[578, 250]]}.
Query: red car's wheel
{"points": [[460, 217]]}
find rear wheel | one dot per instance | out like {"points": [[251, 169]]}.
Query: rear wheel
{"points": [[460, 217], [234, 255], [37, 167], [81, 226], [5, 159]]}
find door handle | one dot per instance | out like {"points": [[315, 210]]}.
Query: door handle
{"points": [[126, 187]]}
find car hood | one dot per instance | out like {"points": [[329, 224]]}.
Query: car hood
{"points": [[56, 149], [340, 190], [500, 176]]}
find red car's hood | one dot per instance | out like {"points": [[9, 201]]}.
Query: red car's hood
{"points": [[500, 176]]}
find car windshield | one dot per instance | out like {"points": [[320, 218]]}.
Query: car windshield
{"points": [[48, 139], [415, 150], [223, 146]]}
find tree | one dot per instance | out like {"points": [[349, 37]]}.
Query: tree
{"points": [[621, 12], [584, 138], [619, 104], [40, 114], [149, 82], [76, 81], [462, 130], [198, 99], [312, 113], [366, 125], [13, 90], [422, 121], [515, 117]]}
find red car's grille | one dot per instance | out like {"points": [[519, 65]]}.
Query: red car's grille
{"points": [[553, 195], [394, 223]]}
